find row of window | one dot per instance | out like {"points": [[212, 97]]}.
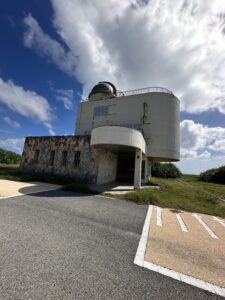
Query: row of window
{"points": [[64, 159], [101, 110]]}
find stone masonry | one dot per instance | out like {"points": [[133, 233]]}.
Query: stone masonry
{"points": [[71, 156]]}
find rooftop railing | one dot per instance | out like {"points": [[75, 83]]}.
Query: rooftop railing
{"points": [[144, 91], [138, 92]]}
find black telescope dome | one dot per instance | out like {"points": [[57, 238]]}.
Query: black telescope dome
{"points": [[105, 88]]}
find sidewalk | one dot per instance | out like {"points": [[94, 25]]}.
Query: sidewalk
{"points": [[10, 188], [117, 187]]}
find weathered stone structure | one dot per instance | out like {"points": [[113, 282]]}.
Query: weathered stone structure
{"points": [[70, 156]]}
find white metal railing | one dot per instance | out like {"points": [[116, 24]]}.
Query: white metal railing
{"points": [[155, 89], [144, 91]]}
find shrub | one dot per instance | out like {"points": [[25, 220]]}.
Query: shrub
{"points": [[9, 157], [214, 175], [166, 170]]}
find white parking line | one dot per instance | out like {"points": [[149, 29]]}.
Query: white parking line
{"points": [[210, 232], [219, 221], [159, 216], [181, 222], [185, 278], [140, 254]]}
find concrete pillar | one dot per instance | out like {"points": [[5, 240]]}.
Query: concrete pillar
{"points": [[137, 169], [146, 170]]}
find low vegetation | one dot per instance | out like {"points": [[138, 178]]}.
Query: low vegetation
{"points": [[9, 157], [214, 175], [166, 170], [182, 194]]}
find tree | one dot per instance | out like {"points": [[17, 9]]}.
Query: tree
{"points": [[165, 170], [9, 157]]}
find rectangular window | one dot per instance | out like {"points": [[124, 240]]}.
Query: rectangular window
{"points": [[52, 157], [77, 158], [87, 132], [101, 111], [36, 155], [64, 158]]}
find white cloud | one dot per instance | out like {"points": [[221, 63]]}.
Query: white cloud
{"points": [[66, 96], [218, 145], [34, 37], [5, 131], [25, 102], [198, 140], [11, 122], [13, 144], [176, 44]]}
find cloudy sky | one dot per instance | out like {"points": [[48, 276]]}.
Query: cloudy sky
{"points": [[52, 52]]}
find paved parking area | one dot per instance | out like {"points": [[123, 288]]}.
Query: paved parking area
{"points": [[61, 245], [191, 244], [9, 188]]}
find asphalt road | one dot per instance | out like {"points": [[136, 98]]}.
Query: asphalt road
{"points": [[58, 245]]}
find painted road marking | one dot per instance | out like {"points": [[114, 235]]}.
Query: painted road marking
{"points": [[210, 232], [181, 222], [140, 254], [219, 221], [140, 261], [185, 278], [159, 216]]}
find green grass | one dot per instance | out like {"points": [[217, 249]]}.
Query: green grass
{"points": [[10, 172], [177, 195], [218, 190]]}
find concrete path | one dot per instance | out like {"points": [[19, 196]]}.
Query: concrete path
{"points": [[117, 187], [9, 188], [58, 245]]}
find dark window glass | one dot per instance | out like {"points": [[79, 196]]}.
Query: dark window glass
{"points": [[52, 157], [77, 158], [101, 110], [36, 155], [64, 158]]}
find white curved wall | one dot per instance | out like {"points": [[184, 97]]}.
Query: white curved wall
{"points": [[119, 136], [161, 128]]}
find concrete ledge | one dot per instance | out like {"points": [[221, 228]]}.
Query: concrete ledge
{"points": [[120, 136]]}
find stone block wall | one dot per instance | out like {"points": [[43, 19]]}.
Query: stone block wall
{"points": [[64, 158], [94, 165], [107, 167]]}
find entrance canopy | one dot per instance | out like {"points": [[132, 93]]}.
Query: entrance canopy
{"points": [[118, 138]]}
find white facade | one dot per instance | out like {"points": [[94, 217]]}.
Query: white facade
{"points": [[143, 123]]}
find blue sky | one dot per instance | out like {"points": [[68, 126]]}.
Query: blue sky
{"points": [[53, 52]]}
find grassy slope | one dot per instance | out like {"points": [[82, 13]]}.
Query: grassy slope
{"points": [[214, 188], [177, 195], [202, 197]]}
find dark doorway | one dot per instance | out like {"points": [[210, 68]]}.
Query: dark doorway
{"points": [[125, 167]]}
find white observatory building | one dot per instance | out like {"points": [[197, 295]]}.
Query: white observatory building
{"points": [[117, 136]]}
